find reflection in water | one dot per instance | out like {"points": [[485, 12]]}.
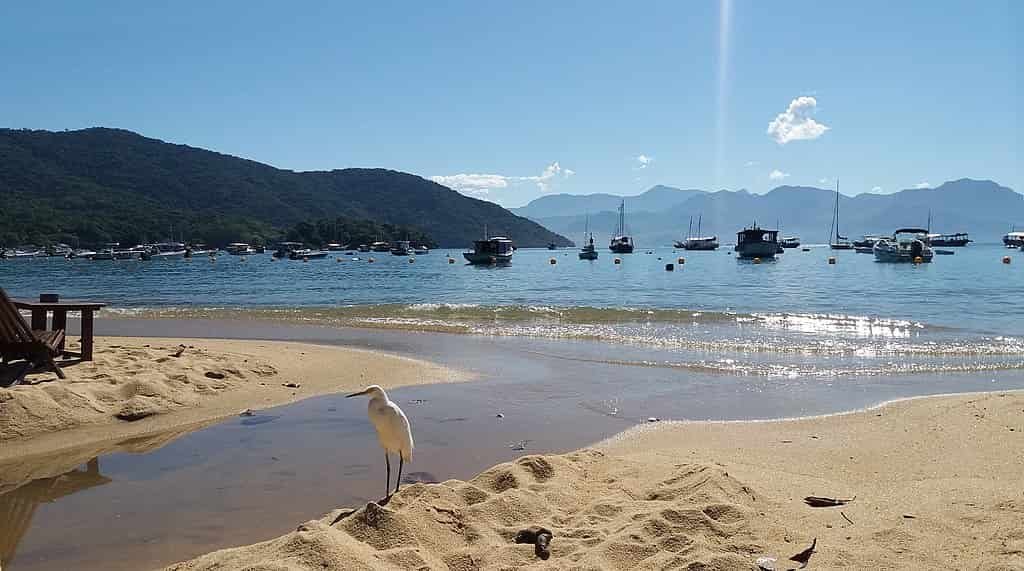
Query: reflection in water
{"points": [[18, 504]]}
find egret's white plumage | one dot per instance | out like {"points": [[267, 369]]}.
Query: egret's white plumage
{"points": [[393, 430]]}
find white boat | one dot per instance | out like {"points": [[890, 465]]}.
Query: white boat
{"points": [[905, 246], [239, 249], [1014, 239], [307, 254], [167, 250], [697, 242]]}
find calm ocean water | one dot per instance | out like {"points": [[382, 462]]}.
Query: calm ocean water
{"points": [[796, 316]]}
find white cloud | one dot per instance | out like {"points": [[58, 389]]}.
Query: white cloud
{"points": [[751, 164], [876, 189], [922, 184], [643, 161], [795, 123], [481, 185], [777, 175]]}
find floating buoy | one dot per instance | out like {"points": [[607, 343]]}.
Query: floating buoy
{"points": [[669, 267], [1006, 259], [918, 260], [370, 260], [305, 258], [338, 259], [757, 260], [451, 260], [618, 260], [805, 249], [681, 261], [412, 260], [832, 260], [552, 261]]}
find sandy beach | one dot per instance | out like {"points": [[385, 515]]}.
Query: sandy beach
{"points": [[139, 386], [935, 483]]}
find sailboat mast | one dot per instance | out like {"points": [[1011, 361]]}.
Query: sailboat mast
{"points": [[689, 229], [837, 209], [699, 217]]}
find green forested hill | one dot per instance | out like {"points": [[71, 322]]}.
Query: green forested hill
{"points": [[100, 185]]}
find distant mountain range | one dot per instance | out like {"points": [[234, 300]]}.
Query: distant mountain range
{"points": [[99, 185], [657, 217]]}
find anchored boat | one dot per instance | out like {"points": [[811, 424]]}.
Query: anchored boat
{"points": [[755, 242], [490, 251], [589, 250], [905, 245], [621, 243]]}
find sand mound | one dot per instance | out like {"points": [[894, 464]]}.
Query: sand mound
{"points": [[606, 513], [137, 387], [127, 382]]}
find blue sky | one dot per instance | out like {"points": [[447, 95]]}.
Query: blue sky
{"points": [[511, 100]]}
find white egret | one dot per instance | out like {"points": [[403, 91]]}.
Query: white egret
{"points": [[393, 431]]}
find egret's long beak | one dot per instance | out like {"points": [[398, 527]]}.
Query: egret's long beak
{"points": [[359, 394]]}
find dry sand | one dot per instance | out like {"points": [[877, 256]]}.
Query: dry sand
{"points": [[939, 484], [135, 387]]}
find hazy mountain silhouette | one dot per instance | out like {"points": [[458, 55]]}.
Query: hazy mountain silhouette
{"points": [[981, 207]]}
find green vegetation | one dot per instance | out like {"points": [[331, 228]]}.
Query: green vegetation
{"points": [[349, 232], [108, 185]]}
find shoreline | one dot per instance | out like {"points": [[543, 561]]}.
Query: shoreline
{"points": [[935, 481], [136, 388]]}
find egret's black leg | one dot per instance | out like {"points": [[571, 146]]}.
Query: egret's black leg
{"points": [[398, 482], [387, 484]]}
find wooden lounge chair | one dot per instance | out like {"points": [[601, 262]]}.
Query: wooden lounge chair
{"points": [[18, 342]]}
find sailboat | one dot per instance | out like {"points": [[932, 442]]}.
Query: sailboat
{"points": [[589, 251], [621, 243], [837, 241], [697, 242]]}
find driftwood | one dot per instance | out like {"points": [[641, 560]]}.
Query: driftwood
{"points": [[820, 502], [804, 556], [846, 518], [181, 349], [540, 537]]}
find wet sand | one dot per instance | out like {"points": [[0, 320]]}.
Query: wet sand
{"points": [[935, 483], [139, 386], [246, 480]]}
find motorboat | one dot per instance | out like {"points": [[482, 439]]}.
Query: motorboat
{"points": [[421, 251], [621, 243], [167, 250], [756, 242], [790, 242], [907, 245], [1014, 239], [490, 251], [380, 246], [286, 248], [307, 254], [957, 240], [239, 249], [401, 248]]}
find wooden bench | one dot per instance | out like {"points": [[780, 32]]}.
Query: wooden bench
{"points": [[23, 349]]}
